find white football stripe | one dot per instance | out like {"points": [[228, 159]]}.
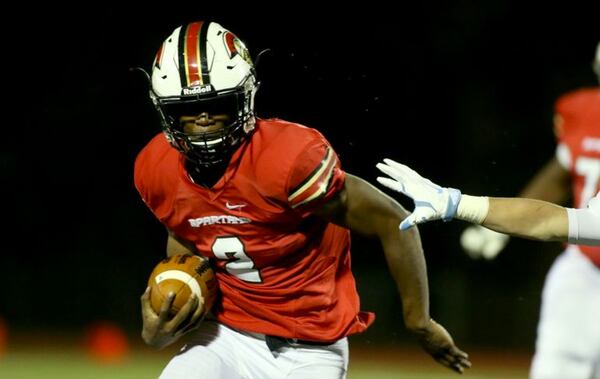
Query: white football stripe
{"points": [[183, 277]]}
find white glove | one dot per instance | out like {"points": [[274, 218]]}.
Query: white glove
{"points": [[432, 202], [479, 242]]}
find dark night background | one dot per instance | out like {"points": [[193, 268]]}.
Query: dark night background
{"points": [[461, 91]]}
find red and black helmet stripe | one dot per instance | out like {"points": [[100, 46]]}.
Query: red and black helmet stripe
{"points": [[158, 58], [192, 54]]}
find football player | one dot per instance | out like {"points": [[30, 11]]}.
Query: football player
{"points": [[269, 203]]}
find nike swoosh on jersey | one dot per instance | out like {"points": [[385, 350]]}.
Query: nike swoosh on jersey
{"points": [[234, 206]]}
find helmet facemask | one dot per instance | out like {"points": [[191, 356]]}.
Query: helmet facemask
{"points": [[212, 147]]}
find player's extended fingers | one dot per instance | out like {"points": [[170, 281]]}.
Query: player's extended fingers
{"points": [[460, 357], [410, 177], [163, 314], [195, 319], [441, 359], [192, 313], [392, 184], [196, 307], [413, 184], [389, 171], [398, 172], [185, 313], [199, 311], [459, 360], [145, 298], [463, 364], [455, 366], [393, 172], [147, 310], [395, 165], [402, 170]]}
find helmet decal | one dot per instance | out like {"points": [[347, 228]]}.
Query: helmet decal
{"points": [[192, 57], [158, 57], [235, 46]]}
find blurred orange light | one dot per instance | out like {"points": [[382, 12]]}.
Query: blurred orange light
{"points": [[106, 342]]}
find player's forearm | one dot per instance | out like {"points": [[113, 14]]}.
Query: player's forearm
{"points": [[527, 218], [406, 262], [177, 246], [371, 213]]}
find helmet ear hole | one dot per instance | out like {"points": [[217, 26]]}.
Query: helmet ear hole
{"points": [[203, 67]]}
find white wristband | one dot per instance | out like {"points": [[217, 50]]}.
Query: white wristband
{"points": [[473, 208]]}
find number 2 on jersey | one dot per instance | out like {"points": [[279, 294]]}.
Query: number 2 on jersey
{"points": [[240, 265]]}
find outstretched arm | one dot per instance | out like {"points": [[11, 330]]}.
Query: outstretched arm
{"points": [[367, 211], [521, 217], [527, 218]]}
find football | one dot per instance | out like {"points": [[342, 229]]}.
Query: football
{"points": [[183, 275]]}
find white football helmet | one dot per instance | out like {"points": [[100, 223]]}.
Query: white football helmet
{"points": [[203, 67]]}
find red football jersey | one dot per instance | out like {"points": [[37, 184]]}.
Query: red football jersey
{"points": [[281, 270], [578, 128]]}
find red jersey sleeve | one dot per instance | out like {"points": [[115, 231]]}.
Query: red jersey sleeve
{"points": [[315, 177]]}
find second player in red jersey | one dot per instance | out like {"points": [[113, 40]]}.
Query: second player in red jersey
{"points": [[578, 129]]}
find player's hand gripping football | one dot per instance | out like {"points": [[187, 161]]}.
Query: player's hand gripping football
{"points": [[439, 344], [160, 330], [432, 202]]}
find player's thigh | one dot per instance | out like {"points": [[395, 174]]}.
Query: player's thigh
{"points": [[571, 307], [329, 362], [568, 341], [198, 362], [552, 364], [206, 354]]}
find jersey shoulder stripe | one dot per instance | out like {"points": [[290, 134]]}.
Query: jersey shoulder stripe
{"points": [[316, 184]]}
